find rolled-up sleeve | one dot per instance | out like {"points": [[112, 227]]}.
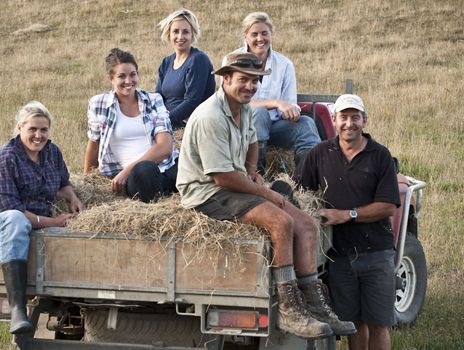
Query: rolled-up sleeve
{"points": [[161, 118], [93, 126]]}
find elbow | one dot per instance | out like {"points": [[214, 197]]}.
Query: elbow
{"points": [[167, 151], [219, 180], [391, 210]]}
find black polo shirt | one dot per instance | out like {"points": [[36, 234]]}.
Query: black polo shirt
{"points": [[369, 177]]}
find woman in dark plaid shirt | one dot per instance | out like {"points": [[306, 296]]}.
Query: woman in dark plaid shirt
{"points": [[32, 174]]}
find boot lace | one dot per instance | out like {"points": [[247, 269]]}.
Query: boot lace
{"points": [[298, 300], [323, 292]]}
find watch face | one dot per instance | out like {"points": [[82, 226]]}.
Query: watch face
{"points": [[353, 214]]}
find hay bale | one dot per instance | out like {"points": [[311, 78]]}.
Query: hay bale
{"points": [[34, 28], [92, 189], [108, 212], [279, 161], [111, 213]]}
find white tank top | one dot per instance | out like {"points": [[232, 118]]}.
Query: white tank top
{"points": [[129, 141]]}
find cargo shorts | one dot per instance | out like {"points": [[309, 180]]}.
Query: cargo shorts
{"points": [[226, 205], [363, 287]]}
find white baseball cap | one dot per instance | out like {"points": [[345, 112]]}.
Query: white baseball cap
{"points": [[349, 101]]}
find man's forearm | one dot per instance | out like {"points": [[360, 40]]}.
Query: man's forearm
{"points": [[235, 182], [375, 212], [370, 213], [252, 158]]}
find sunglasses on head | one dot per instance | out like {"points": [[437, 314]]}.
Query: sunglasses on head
{"points": [[246, 63]]}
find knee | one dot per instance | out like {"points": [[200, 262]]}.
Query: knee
{"points": [[144, 168], [311, 224], [307, 123], [18, 219], [261, 116], [286, 223]]}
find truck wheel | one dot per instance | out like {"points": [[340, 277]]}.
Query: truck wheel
{"points": [[412, 283], [171, 330]]}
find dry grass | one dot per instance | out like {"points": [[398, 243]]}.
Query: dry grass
{"points": [[35, 28], [405, 58], [108, 213]]}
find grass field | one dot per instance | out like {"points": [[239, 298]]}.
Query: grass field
{"points": [[405, 57]]}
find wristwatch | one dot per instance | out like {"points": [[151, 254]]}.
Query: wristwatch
{"points": [[353, 215]]}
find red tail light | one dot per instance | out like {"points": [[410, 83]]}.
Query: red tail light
{"points": [[236, 319]]}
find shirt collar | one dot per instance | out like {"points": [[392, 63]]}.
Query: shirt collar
{"points": [[112, 99], [268, 56], [225, 104], [19, 149], [369, 147]]}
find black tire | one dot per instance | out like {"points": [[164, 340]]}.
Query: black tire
{"points": [[172, 330], [413, 270]]}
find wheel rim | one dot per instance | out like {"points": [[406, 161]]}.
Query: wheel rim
{"points": [[404, 297]]}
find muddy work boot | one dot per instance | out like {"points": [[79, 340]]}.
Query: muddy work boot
{"points": [[317, 306], [293, 315]]}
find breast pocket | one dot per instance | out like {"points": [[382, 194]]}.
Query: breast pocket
{"points": [[276, 90]]}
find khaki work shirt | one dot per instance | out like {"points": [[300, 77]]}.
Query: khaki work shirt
{"points": [[212, 143]]}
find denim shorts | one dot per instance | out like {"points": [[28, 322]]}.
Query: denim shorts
{"points": [[363, 287], [226, 205]]}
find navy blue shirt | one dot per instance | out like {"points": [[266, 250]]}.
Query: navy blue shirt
{"points": [[27, 185], [183, 89], [369, 177]]}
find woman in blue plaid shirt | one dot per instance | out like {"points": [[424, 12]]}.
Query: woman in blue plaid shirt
{"points": [[130, 134], [32, 174]]}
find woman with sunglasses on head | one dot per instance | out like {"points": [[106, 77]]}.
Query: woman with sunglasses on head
{"points": [[130, 134], [276, 115], [32, 174], [184, 78]]}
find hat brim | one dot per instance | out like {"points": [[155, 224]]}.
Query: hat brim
{"points": [[251, 71], [348, 106]]}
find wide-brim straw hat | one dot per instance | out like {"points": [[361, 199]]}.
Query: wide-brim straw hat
{"points": [[232, 61]]}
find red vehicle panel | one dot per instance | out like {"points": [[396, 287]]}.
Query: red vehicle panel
{"points": [[324, 112]]}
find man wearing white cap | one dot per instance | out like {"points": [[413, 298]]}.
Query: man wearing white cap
{"points": [[217, 176], [358, 179]]}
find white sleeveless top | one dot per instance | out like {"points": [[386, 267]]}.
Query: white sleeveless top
{"points": [[129, 141]]}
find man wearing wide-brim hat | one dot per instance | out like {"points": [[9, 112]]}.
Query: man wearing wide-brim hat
{"points": [[217, 176]]}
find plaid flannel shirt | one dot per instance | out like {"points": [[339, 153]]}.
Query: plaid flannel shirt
{"points": [[102, 120], [26, 185]]}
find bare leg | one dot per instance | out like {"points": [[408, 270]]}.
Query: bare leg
{"points": [[280, 226], [370, 337], [359, 341], [305, 232], [379, 338]]}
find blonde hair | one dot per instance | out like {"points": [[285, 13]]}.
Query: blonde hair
{"points": [[31, 110], [178, 15], [256, 17]]}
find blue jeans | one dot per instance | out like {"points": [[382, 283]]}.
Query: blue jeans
{"points": [[301, 135], [14, 236]]}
